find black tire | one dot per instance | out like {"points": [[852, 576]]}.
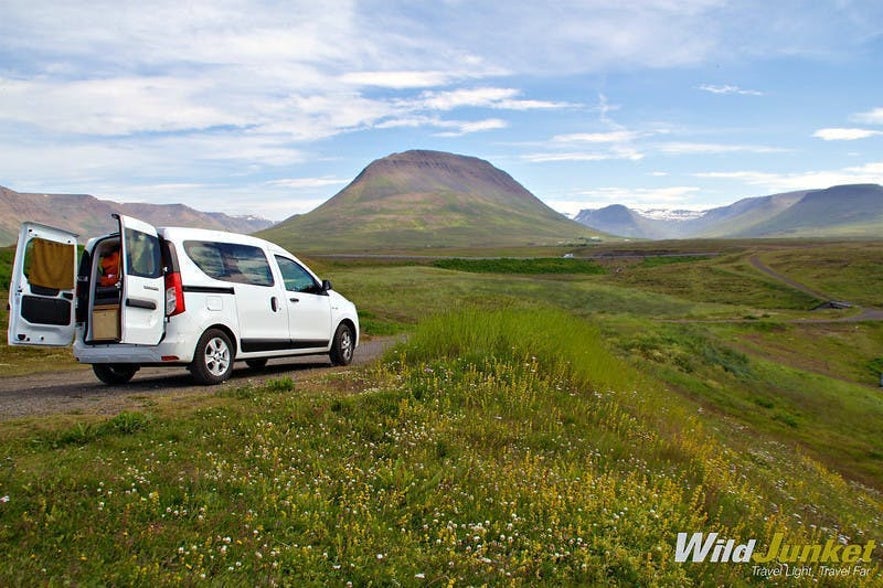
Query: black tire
{"points": [[256, 364], [114, 374], [343, 345], [213, 358]]}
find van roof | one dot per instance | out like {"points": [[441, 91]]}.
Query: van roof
{"points": [[192, 234], [189, 233]]}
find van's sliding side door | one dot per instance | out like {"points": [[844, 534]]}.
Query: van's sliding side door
{"points": [[41, 295], [142, 312]]}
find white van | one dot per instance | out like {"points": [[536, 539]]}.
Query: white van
{"points": [[173, 296]]}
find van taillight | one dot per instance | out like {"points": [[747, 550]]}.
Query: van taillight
{"points": [[174, 294]]}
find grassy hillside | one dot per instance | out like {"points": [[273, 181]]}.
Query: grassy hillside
{"points": [[558, 428], [493, 447], [840, 211], [845, 271], [742, 217]]}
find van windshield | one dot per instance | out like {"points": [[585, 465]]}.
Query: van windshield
{"points": [[231, 262]]}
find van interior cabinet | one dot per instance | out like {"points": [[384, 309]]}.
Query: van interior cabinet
{"points": [[106, 322]]}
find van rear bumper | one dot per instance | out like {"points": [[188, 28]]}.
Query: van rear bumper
{"points": [[166, 352]]}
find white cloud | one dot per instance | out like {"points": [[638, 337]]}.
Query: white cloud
{"points": [[461, 128], [604, 146], [398, 79], [488, 97], [666, 197], [624, 153], [728, 89], [643, 196], [608, 137], [112, 106], [770, 183], [307, 183], [684, 148], [837, 134], [872, 117]]}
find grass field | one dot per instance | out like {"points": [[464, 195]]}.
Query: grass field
{"points": [[553, 429]]}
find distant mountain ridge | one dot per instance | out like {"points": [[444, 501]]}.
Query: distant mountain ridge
{"points": [[425, 198], [88, 216], [853, 211]]}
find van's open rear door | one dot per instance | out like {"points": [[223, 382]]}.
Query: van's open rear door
{"points": [[41, 295], [142, 314]]}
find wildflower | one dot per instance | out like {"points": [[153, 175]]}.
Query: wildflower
{"points": [[5, 498]]}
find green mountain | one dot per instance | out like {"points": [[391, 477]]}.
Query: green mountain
{"points": [[841, 211], [850, 211], [421, 199]]}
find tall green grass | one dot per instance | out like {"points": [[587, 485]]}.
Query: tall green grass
{"points": [[500, 448], [554, 339]]}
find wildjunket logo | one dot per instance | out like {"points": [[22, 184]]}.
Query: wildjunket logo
{"points": [[833, 558]]}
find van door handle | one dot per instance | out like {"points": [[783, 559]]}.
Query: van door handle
{"points": [[294, 299], [273, 304]]}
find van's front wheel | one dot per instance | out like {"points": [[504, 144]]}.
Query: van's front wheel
{"points": [[114, 374], [343, 345], [213, 360]]}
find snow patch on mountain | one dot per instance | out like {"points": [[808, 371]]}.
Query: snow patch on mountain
{"points": [[665, 214]]}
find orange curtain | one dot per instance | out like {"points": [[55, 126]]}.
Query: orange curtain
{"points": [[52, 264]]}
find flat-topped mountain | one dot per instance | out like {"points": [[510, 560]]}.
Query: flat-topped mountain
{"points": [[428, 199]]}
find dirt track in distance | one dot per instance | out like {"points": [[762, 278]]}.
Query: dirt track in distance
{"points": [[866, 314]]}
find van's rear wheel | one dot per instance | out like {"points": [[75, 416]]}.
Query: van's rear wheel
{"points": [[213, 360], [343, 345], [114, 374]]}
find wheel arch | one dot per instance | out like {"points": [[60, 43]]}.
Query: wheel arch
{"points": [[352, 325], [234, 340]]}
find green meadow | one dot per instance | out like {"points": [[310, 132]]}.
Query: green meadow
{"points": [[537, 425]]}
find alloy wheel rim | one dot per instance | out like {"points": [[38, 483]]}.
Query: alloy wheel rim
{"points": [[217, 356], [346, 345]]}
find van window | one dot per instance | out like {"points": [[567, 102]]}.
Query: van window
{"points": [[142, 255], [297, 279], [231, 262]]}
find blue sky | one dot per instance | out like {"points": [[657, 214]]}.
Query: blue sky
{"points": [[272, 107]]}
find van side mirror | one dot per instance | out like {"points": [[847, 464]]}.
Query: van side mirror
{"points": [[326, 285]]}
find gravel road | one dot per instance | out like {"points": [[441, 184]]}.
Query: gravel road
{"points": [[865, 314], [78, 391]]}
